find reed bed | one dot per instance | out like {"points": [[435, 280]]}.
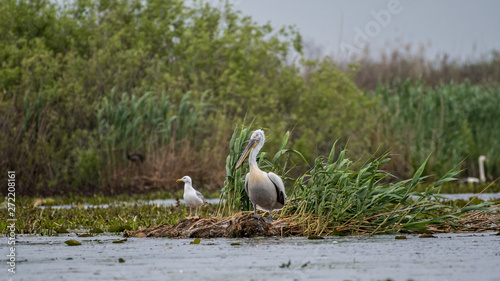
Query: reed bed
{"points": [[167, 135], [338, 196], [475, 221], [454, 123], [147, 122]]}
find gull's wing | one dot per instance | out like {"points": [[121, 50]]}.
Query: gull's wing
{"points": [[200, 196], [280, 187]]}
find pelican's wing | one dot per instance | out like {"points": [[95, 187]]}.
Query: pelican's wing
{"points": [[200, 196], [246, 182], [280, 187]]}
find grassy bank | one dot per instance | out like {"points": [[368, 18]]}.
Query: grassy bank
{"points": [[314, 207], [113, 218]]}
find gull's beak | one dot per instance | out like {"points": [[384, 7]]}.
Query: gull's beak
{"points": [[250, 146], [179, 180]]}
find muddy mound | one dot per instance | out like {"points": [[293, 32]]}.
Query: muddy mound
{"points": [[240, 225]]}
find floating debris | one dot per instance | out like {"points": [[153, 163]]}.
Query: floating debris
{"points": [[62, 230], [119, 241], [121, 260], [400, 237], [286, 265], [120, 228], [314, 237], [72, 243], [96, 230], [235, 244], [196, 241], [85, 235], [427, 236]]}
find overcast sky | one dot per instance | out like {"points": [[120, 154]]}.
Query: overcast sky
{"points": [[464, 29]]}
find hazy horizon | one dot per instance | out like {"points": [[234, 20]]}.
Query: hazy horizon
{"points": [[463, 29]]}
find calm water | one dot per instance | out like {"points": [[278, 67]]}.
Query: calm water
{"points": [[448, 257]]}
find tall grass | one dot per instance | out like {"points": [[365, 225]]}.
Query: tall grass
{"points": [[452, 122], [152, 125], [131, 122], [37, 143]]}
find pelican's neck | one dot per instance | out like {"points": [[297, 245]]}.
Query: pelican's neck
{"points": [[252, 158], [482, 176]]}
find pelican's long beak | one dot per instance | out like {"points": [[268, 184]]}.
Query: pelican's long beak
{"points": [[179, 180], [250, 146]]}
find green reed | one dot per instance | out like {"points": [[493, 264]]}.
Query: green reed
{"points": [[341, 196], [451, 122], [148, 123]]}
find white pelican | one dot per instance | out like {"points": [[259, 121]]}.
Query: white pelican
{"points": [[193, 198], [265, 190], [482, 176]]}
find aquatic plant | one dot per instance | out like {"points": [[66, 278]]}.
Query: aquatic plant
{"points": [[112, 218]]}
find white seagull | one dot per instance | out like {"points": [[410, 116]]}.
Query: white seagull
{"points": [[192, 197], [265, 190]]}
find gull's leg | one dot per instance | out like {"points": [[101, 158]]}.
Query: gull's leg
{"points": [[190, 210]]}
